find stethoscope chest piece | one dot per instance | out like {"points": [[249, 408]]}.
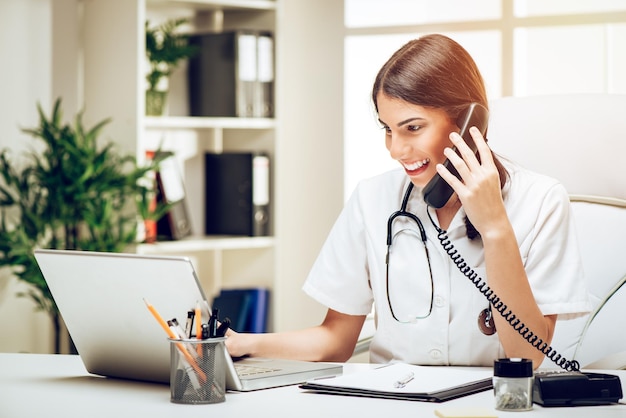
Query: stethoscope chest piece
{"points": [[485, 322]]}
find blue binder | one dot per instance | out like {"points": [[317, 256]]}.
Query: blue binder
{"points": [[246, 308]]}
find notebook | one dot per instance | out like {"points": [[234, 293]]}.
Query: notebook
{"points": [[407, 382], [101, 299]]}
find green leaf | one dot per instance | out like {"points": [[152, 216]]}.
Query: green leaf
{"points": [[68, 192]]}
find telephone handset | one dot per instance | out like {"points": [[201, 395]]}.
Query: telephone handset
{"points": [[437, 192]]}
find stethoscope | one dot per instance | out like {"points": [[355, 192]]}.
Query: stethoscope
{"points": [[394, 216], [485, 318]]}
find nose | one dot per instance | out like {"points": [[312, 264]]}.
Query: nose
{"points": [[397, 147]]}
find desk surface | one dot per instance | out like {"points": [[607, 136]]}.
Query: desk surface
{"points": [[38, 385]]}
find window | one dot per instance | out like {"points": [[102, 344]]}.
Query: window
{"points": [[522, 47]]}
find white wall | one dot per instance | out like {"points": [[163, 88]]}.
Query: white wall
{"points": [[309, 166], [25, 80]]}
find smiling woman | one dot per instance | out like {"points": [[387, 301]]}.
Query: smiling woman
{"points": [[427, 311], [413, 94]]}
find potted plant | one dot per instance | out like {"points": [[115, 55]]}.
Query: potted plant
{"points": [[165, 48], [72, 194]]}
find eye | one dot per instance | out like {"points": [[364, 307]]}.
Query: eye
{"points": [[386, 129], [413, 128]]}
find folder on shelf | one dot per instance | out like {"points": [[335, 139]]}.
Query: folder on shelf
{"points": [[246, 308], [175, 224], [407, 382], [237, 195], [264, 94], [232, 75]]}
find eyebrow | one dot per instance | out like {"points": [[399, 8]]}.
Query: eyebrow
{"points": [[404, 122]]}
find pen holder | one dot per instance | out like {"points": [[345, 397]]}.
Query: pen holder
{"points": [[197, 371]]}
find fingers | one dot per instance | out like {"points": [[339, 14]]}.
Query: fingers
{"points": [[466, 152], [467, 162]]}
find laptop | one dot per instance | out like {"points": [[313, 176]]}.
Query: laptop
{"points": [[102, 299]]}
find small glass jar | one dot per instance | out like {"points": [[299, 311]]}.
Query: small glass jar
{"points": [[513, 384]]}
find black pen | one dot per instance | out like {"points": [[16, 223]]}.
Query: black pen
{"points": [[189, 324], [221, 330], [213, 323]]}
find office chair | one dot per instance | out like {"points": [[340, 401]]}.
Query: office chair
{"points": [[580, 139]]}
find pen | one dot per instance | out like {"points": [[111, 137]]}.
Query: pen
{"points": [[178, 329], [173, 336], [189, 323], [213, 323], [221, 330], [403, 382]]}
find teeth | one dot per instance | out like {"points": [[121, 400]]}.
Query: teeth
{"points": [[416, 165]]}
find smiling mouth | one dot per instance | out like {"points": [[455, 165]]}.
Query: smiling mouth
{"points": [[416, 166]]}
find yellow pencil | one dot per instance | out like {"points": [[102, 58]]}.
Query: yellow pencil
{"points": [[198, 319], [173, 336]]}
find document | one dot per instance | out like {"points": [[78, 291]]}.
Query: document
{"points": [[408, 382]]}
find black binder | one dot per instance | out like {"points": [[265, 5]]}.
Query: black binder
{"points": [[237, 194], [232, 74]]}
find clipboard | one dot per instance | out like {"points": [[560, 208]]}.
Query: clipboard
{"points": [[428, 383]]}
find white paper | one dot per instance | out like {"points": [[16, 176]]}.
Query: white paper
{"points": [[426, 379]]}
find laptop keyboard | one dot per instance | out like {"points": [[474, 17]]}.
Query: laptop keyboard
{"points": [[247, 370]]}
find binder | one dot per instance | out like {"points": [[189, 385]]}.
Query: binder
{"points": [[237, 198], [247, 308], [264, 94], [232, 74], [259, 309], [175, 224]]}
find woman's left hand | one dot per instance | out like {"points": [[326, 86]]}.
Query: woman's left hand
{"points": [[479, 190]]}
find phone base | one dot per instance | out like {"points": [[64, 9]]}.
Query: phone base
{"points": [[576, 389]]}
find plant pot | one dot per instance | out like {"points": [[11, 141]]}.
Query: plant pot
{"points": [[150, 227], [155, 102]]}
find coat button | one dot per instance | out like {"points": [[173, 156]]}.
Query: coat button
{"points": [[435, 354]]}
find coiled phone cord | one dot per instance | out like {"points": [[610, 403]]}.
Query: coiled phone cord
{"points": [[501, 307]]}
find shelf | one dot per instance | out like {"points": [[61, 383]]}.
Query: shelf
{"points": [[193, 244], [194, 122], [217, 4]]}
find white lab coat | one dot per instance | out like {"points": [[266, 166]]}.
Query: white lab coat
{"points": [[349, 273]]}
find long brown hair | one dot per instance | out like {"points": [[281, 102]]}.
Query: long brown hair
{"points": [[435, 71]]}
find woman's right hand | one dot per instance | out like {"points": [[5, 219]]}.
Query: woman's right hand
{"points": [[236, 343]]}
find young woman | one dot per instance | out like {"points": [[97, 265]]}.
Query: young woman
{"points": [[511, 227]]}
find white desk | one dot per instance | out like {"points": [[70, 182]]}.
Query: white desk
{"points": [[36, 385]]}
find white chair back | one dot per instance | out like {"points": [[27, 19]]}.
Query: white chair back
{"points": [[580, 140]]}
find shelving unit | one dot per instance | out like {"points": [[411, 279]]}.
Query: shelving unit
{"points": [[304, 140], [190, 137], [186, 122]]}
